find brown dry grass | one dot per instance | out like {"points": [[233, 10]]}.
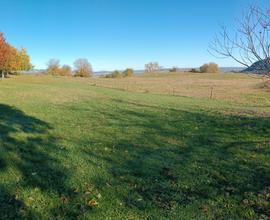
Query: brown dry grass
{"points": [[230, 87]]}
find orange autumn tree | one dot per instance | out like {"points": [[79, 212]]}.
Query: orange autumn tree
{"points": [[5, 52], [11, 59], [23, 60], [13, 63]]}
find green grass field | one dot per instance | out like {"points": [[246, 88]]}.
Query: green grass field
{"points": [[71, 150]]}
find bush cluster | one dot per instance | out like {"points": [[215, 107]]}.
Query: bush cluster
{"points": [[174, 70], [82, 68], [209, 68], [116, 74], [194, 70]]}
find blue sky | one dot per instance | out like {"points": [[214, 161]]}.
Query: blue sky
{"points": [[116, 34]]}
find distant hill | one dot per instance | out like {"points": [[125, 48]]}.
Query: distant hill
{"points": [[259, 67]]}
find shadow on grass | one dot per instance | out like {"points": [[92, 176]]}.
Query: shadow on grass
{"points": [[27, 165], [172, 160]]}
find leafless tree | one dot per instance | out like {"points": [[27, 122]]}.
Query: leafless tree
{"points": [[249, 43], [152, 67], [83, 68], [53, 66]]}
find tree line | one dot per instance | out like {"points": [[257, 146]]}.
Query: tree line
{"points": [[205, 68], [117, 74], [12, 60], [82, 68]]}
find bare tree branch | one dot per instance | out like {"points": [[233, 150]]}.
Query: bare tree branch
{"points": [[250, 43]]}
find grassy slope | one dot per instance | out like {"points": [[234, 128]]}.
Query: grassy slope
{"points": [[66, 145]]}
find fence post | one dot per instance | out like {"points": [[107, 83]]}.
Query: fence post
{"points": [[211, 94]]}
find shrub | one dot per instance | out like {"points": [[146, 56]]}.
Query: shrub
{"points": [[65, 71], [116, 74], [194, 70], [128, 72], [55, 69], [173, 70], [106, 76], [209, 68]]}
